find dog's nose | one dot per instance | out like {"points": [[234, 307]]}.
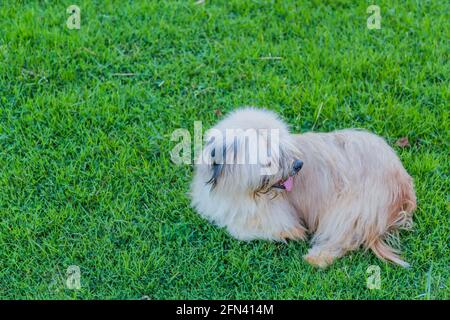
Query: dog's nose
{"points": [[298, 164]]}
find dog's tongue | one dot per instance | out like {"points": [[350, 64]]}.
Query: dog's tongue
{"points": [[288, 184]]}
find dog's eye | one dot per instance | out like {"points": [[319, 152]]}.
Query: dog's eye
{"points": [[267, 165]]}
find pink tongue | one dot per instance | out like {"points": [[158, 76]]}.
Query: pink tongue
{"points": [[288, 184]]}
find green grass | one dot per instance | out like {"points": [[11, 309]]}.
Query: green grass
{"points": [[85, 172]]}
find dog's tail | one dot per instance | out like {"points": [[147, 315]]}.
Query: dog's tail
{"points": [[399, 217], [385, 252]]}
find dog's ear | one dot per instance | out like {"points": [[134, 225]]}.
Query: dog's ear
{"points": [[218, 154], [216, 163], [216, 172]]}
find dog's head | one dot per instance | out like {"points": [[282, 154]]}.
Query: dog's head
{"points": [[250, 152]]}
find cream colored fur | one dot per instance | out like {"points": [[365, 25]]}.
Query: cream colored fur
{"points": [[352, 190]]}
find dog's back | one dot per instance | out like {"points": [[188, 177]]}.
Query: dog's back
{"points": [[360, 189]]}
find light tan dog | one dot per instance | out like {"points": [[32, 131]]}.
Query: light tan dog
{"points": [[347, 188]]}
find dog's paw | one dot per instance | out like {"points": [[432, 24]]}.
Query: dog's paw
{"points": [[296, 233], [320, 259]]}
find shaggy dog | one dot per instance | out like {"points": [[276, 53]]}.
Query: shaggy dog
{"points": [[347, 188]]}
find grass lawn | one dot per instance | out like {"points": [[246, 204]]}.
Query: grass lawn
{"points": [[86, 118]]}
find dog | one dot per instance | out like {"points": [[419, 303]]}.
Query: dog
{"points": [[347, 188]]}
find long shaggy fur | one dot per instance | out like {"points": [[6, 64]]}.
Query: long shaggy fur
{"points": [[352, 190]]}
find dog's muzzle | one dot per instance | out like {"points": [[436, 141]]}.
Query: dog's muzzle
{"points": [[296, 167], [288, 183]]}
